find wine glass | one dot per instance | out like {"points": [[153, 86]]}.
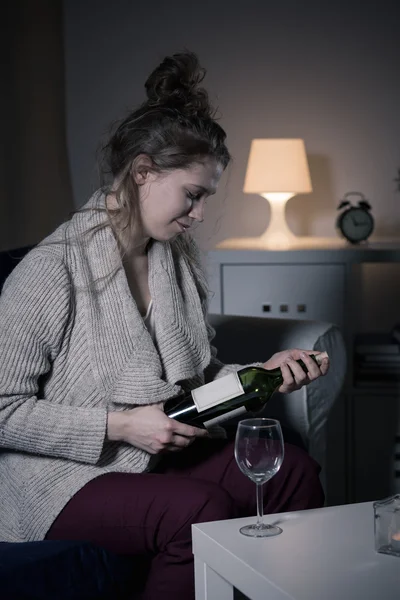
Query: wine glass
{"points": [[259, 452]]}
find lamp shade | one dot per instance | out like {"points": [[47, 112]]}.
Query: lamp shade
{"points": [[277, 165]]}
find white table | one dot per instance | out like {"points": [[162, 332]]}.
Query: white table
{"points": [[323, 554]]}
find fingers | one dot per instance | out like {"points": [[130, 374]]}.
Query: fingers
{"points": [[312, 367], [289, 383], [183, 429], [179, 442], [179, 436], [324, 367], [294, 377], [314, 370], [188, 430]]}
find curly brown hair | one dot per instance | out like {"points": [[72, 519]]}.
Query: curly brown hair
{"points": [[175, 127]]}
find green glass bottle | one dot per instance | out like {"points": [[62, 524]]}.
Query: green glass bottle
{"points": [[247, 390]]}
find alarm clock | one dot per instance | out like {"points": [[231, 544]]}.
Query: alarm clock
{"points": [[355, 223]]}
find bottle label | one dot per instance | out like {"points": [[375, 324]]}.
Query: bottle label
{"points": [[215, 392], [236, 412]]}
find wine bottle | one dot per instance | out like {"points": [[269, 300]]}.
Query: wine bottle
{"points": [[247, 390]]}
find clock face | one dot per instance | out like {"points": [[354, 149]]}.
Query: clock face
{"points": [[356, 224]]}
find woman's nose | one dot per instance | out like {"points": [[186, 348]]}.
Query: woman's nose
{"points": [[197, 210]]}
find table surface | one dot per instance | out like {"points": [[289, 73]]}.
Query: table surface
{"points": [[324, 554]]}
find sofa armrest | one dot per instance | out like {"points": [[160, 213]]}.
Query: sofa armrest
{"points": [[250, 339]]}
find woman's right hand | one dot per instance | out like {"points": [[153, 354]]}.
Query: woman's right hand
{"points": [[149, 428]]}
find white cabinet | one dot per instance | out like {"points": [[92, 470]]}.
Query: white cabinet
{"points": [[284, 291]]}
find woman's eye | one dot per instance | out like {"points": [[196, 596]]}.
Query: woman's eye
{"points": [[193, 197]]}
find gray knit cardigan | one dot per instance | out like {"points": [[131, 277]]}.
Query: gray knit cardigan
{"points": [[74, 346]]}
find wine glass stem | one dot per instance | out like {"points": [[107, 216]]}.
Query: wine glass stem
{"points": [[260, 508]]}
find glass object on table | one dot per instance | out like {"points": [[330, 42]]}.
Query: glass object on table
{"points": [[259, 453], [387, 525]]}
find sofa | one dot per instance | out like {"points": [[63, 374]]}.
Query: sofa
{"points": [[80, 570]]}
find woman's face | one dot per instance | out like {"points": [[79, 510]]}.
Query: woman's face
{"points": [[171, 203]]}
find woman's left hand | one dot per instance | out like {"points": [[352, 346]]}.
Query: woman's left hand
{"points": [[293, 375]]}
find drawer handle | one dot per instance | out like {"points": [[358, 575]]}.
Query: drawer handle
{"points": [[266, 308], [301, 308], [284, 308]]}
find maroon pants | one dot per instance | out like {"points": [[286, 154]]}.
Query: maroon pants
{"points": [[150, 515]]}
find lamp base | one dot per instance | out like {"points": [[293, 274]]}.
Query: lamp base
{"points": [[277, 235]]}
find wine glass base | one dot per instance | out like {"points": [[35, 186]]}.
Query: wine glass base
{"points": [[263, 530]]}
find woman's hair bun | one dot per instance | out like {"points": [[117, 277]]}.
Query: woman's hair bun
{"points": [[175, 84]]}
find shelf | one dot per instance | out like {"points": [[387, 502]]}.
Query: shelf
{"points": [[310, 251], [376, 389], [310, 243]]}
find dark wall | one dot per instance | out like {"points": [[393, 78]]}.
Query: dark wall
{"points": [[35, 190], [321, 70]]}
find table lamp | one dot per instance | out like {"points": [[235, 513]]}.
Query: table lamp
{"points": [[277, 169]]}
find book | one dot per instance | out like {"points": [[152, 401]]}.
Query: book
{"points": [[380, 358], [396, 332], [377, 378], [378, 372], [376, 343]]}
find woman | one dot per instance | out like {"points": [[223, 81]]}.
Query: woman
{"points": [[104, 321]]}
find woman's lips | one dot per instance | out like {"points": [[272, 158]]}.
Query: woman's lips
{"points": [[183, 226]]}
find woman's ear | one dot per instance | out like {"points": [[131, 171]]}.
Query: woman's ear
{"points": [[141, 169]]}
